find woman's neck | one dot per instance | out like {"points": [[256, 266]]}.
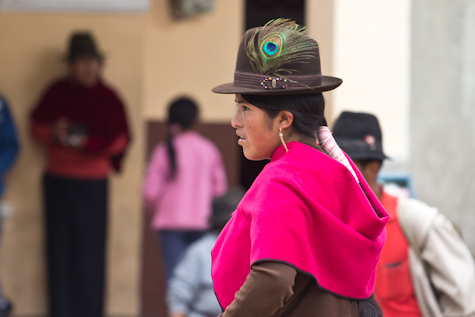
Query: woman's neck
{"points": [[312, 142]]}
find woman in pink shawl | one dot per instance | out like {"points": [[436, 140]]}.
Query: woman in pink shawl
{"points": [[306, 237]]}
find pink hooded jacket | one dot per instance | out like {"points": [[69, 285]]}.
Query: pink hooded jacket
{"points": [[306, 210]]}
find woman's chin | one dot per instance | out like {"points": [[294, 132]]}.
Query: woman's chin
{"points": [[251, 156], [248, 154]]}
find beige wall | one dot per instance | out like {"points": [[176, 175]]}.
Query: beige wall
{"points": [[150, 60], [371, 45], [319, 18], [190, 57], [366, 43]]}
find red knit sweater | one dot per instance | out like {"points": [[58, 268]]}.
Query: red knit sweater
{"points": [[100, 111]]}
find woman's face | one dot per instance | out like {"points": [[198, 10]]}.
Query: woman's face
{"points": [[259, 134], [85, 70]]}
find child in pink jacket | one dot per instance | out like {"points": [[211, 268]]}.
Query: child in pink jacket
{"points": [[185, 173]]}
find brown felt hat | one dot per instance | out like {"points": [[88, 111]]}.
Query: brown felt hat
{"points": [[278, 59], [82, 44]]}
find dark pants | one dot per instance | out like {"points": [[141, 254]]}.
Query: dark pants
{"points": [[173, 243], [76, 221]]}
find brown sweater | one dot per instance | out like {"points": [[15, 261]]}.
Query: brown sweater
{"points": [[276, 289]]}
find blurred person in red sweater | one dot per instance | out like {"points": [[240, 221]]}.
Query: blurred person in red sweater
{"points": [[82, 124]]}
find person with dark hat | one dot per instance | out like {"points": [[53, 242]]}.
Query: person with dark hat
{"points": [[306, 237], [359, 135], [425, 269], [82, 123], [190, 289]]}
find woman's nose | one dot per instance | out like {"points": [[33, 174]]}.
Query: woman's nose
{"points": [[235, 122]]}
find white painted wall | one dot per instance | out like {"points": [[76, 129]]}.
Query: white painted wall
{"points": [[371, 54], [442, 108]]}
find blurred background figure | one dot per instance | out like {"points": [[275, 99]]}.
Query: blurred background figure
{"points": [[82, 123], [8, 153], [190, 289], [184, 174], [425, 269]]}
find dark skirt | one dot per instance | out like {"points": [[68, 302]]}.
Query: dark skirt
{"points": [[76, 222]]}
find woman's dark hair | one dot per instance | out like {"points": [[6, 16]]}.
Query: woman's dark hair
{"points": [[308, 110], [184, 112]]}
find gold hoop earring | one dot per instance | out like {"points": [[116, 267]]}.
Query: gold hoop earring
{"points": [[281, 135]]}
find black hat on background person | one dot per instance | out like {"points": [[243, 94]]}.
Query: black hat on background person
{"points": [[224, 206], [82, 44], [359, 135]]}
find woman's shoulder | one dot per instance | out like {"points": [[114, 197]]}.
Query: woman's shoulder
{"points": [[158, 150], [59, 83], [302, 169], [299, 159], [108, 90], [199, 140], [55, 89], [198, 136]]}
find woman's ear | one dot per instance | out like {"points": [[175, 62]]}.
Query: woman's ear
{"points": [[285, 119]]}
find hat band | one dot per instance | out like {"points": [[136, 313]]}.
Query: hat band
{"points": [[265, 82]]}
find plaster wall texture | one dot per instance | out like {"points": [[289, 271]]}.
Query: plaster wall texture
{"points": [[189, 57], [442, 110], [320, 22], [371, 54]]}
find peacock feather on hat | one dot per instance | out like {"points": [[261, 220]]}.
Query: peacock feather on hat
{"points": [[277, 44], [278, 58]]}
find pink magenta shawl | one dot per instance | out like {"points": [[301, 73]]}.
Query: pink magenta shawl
{"points": [[306, 210]]}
